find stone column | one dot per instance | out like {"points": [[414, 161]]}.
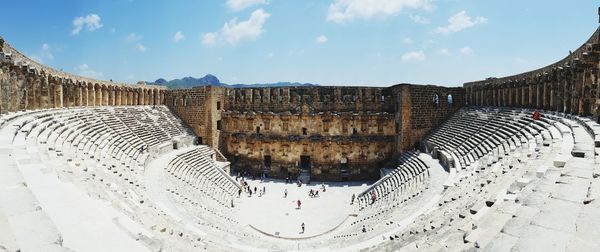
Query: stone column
{"points": [[105, 97], [80, 94], [58, 93], [118, 96]]}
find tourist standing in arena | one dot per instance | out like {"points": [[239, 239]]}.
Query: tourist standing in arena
{"points": [[302, 227]]}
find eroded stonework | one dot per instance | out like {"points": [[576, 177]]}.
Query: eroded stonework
{"points": [[26, 85], [330, 133]]}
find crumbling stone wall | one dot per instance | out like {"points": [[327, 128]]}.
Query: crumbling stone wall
{"points": [[200, 108], [347, 132], [320, 99], [570, 85], [361, 140], [421, 108], [26, 84]]}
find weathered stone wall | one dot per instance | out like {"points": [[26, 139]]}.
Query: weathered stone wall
{"points": [[421, 108], [321, 99], [570, 85], [25, 85], [200, 108], [364, 139], [347, 132]]}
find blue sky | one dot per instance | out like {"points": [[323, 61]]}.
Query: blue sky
{"points": [[330, 42]]}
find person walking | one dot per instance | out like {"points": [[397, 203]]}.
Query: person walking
{"points": [[285, 193], [302, 227], [299, 204], [353, 197]]}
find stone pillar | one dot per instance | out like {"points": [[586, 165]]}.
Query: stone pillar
{"points": [[524, 94], [568, 92], [105, 96], [80, 94], [58, 93], [98, 91], [117, 96], [141, 96]]}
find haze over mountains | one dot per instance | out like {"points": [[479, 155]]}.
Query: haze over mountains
{"points": [[211, 80]]}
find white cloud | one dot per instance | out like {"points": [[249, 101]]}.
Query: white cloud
{"points": [[234, 32], [270, 55], [418, 19], [321, 39], [209, 38], [91, 22], [46, 52], [444, 51], [467, 50], [238, 5], [460, 21], [342, 11], [140, 47], [85, 70], [413, 56], [178, 36], [132, 37], [408, 41]]}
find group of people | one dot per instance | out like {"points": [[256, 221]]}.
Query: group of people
{"points": [[246, 188], [315, 193]]}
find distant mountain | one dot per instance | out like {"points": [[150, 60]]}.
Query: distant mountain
{"points": [[188, 82], [211, 80]]}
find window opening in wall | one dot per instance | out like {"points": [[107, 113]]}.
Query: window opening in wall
{"points": [[345, 126], [382, 98], [354, 98], [219, 126], [218, 105], [354, 131], [364, 127], [450, 101], [436, 100], [304, 131], [326, 127], [257, 130], [285, 127], [397, 128]]}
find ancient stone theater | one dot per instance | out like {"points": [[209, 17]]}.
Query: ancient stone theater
{"points": [[500, 164]]}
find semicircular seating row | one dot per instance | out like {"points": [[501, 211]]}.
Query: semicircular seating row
{"points": [[470, 142], [512, 173], [110, 147]]}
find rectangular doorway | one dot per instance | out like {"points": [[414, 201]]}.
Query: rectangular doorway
{"points": [[305, 163], [267, 161]]}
